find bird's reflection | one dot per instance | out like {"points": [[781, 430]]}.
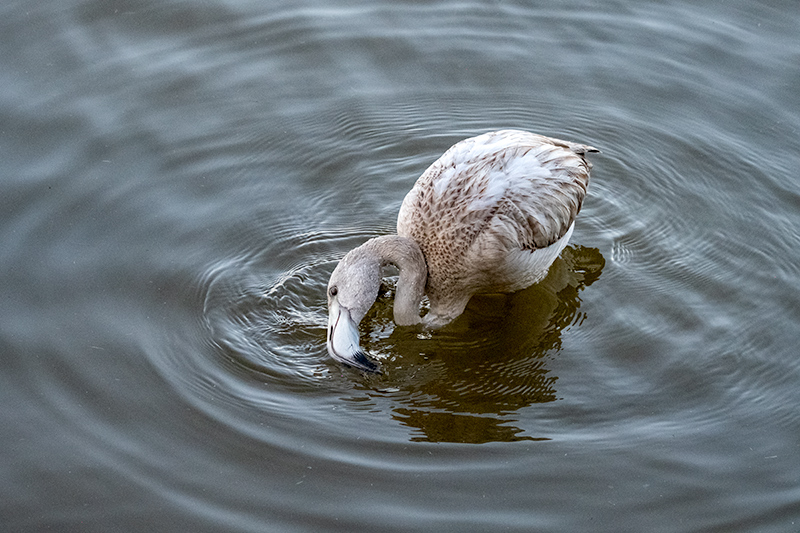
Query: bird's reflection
{"points": [[465, 382]]}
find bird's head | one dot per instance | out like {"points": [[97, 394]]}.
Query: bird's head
{"points": [[352, 289]]}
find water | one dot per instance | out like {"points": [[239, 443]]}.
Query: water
{"points": [[179, 180]]}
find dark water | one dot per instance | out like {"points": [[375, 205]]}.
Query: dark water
{"points": [[179, 180]]}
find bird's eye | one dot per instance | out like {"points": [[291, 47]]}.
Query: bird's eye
{"points": [[333, 291]]}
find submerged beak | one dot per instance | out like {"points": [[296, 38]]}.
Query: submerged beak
{"points": [[343, 340]]}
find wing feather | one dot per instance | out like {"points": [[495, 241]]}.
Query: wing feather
{"points": [[511, 190]]}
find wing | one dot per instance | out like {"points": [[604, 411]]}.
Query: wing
{"points": [[525, 188]]}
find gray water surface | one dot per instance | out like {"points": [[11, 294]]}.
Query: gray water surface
{"points": [[178, 180]]}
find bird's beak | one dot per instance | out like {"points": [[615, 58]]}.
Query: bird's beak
{"points": [[343, 339]]}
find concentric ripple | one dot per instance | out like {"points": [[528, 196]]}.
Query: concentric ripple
{"points": [[269, 329]]}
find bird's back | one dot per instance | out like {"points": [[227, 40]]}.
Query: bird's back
{"points": [[500, 193]]}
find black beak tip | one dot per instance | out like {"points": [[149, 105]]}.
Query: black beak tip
{"points": [[361, 362]]}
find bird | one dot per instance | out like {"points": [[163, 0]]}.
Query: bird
{"points": [[488, 216]]}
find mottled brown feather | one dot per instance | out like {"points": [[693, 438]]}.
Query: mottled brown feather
{"points": [[488, 196]]}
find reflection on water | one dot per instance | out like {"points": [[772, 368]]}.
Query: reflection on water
{"points": [[463, 383]]}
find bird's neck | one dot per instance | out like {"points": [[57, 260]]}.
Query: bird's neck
{"points": [[406, 255]]}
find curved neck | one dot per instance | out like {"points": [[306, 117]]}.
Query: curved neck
{"points": [[405, 254]]}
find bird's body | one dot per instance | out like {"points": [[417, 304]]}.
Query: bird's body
{"points": [[490, 215]]}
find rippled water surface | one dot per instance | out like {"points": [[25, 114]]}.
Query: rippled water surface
{"points": [[178, 180]]}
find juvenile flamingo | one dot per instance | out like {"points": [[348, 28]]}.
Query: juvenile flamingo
{"points": [[490, 215]]}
